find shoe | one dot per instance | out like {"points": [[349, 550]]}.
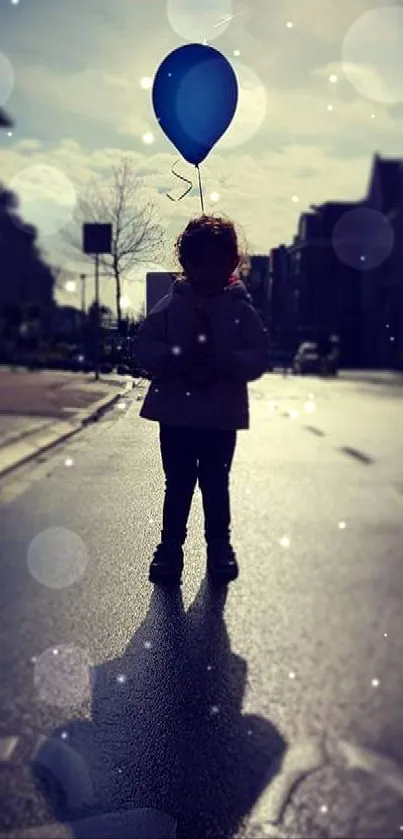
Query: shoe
{"points": [[222, 566], [167, 564]]}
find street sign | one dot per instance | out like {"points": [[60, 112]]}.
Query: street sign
{"points": [[97, 238]]}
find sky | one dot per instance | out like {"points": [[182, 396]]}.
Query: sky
{"points": [[320, 91]]}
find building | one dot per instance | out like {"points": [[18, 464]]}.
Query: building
{"points": [[390, 306], [282, 298], [256, 276], [326, 290], [385, 303], [158, 285], [329, 286]]}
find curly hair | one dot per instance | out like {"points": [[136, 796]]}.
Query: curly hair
{"points": [[208, 252]]}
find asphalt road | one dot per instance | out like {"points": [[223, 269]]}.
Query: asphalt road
{"points": [[273, 711]]}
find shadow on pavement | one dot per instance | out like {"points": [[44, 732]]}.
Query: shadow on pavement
{"points": [[167, 731]]}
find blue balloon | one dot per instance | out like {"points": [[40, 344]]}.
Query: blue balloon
{"points": [[195, 95]]}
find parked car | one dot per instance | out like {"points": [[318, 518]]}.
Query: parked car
{"points": [[309, 360], [123, 370], [136, 372]]}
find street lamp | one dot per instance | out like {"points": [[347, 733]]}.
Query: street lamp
{"points": [[70, 286], [83, 278], [125, 302]]}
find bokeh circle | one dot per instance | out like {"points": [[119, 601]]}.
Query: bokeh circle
{"points": [[47, 198], [195, 21], [7, 78], [57, 557], [363, 238], [251, 109], [63, 676], [372, 54]]}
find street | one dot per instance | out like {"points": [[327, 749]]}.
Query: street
{"points": [[273, 711]]}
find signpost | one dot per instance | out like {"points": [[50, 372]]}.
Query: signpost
{"points": [[83, 278], [97, 239]]}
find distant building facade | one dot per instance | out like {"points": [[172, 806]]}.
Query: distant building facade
{"points": [[254, 273], [282, 298], [328, 296], [256, 276], [158, 285]]}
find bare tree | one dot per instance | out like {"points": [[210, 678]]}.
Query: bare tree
{"points": [[137, 235], [140, 314]]}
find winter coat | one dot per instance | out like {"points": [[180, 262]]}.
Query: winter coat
{"points": [[201, 352]]}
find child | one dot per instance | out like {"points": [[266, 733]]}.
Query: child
{"points": [[202, 343]]}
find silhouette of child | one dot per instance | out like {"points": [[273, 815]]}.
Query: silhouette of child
{"points": [[201, 344]]}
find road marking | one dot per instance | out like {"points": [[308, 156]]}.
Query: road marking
{"points": [[361, 456], [7, 747], [314, 430], [300, 760]]}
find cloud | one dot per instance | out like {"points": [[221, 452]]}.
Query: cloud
{"points": [[27, 146], [257, 191], [87, 94], [318, 20], [284, 141]]}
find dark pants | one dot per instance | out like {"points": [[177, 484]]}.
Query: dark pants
{"points": [[190, 455]]}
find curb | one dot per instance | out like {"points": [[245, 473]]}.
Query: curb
{"points": [[375, 377], [22, 451], [94, 413]]}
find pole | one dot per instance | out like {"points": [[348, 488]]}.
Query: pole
{"points": [[83, 306], [97, 317]]}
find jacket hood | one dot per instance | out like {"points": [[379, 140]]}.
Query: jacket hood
{"points": [[236, 289]]}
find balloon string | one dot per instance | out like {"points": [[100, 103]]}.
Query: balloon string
{"points": [[200, 189], [177, 175]]}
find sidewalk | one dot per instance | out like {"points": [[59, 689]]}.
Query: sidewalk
{"points": [[39, 410], [376, 377]]}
